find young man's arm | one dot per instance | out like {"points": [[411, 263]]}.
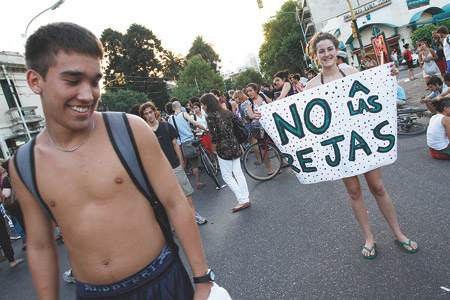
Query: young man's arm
{"points": [[193, 122], [443, 94], [165, 185], [41, 248]]}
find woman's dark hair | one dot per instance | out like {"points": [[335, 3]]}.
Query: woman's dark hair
{"points": [[212, 105], [216, 92], [296, 77], [197, 104], [406, 46], [254, 86], [168, 108], [441, 104], [283, 75]]}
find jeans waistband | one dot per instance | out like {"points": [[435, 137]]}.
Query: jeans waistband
{"points": [[147, 274]]}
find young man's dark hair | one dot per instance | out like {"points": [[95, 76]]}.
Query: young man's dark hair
{"points": [[442, 29], [296, 76], [194, 99], [447, 77], [434, 80], [43, 45], [147, 105]]}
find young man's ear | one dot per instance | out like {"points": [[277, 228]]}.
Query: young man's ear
{"points": [[34, 80]]}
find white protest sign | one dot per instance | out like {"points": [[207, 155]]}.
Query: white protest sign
{"points": [[344, 128]]}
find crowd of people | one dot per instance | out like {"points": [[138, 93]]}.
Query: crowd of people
{"points": [[64, 69]]}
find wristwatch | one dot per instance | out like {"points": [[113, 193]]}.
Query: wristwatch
{"points": [[209, 277]]}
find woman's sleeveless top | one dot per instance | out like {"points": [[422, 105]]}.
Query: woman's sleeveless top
{"points": [[436, 135]]}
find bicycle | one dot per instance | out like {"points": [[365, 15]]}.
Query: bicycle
{"points": [[209, 161], [407, 121], [266, 154]]}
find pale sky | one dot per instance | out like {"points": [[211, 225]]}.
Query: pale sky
{"points": [[233, 27]]}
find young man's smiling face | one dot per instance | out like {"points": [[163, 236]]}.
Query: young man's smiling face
{"points": [[70, 90]]}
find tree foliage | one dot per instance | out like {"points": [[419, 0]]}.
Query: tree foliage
{"points": [[121, 101], [248, 76], [282, 48], [172, 65], [425, 31], [205, 50], [138, 55], [196, 78]]}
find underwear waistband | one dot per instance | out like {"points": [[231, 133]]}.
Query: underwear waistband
{"points": [[149, 273]]}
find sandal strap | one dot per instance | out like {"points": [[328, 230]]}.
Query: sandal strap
{"points": [[370, 250]]}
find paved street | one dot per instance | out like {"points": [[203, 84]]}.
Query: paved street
{"points": [[303, 242]]}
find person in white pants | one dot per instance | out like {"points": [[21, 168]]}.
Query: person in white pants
{"points": [[225, 144]]}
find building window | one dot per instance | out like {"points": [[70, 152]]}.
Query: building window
{"points": [[8, 95]]}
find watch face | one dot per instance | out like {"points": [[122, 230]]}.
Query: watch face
{"points": [[212, 275]]}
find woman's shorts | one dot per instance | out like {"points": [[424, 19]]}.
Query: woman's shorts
{"points": [[409, 63]]}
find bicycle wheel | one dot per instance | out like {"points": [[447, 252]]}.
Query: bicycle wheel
{"points": [[209, 167], [263, 153], [410, 128], [214, 160]]}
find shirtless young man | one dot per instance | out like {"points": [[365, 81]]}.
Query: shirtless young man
{"points": [[109, 227]]}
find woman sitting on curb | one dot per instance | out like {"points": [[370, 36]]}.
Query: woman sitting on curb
{"points": [[438, 132]]}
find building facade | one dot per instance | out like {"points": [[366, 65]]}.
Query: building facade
{"points": [[397, 19], [20, 109]]}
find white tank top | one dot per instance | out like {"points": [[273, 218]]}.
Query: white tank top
{"points": [[446, 47], [436, 135]]}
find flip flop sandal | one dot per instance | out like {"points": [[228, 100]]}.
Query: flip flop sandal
{"points": [[370, 251], [402, 245]]}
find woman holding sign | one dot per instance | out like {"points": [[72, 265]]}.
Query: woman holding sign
{"points": [[323, 48]]}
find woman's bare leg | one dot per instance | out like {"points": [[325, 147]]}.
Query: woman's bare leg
{"points": [[385, 205], [360, 211]]}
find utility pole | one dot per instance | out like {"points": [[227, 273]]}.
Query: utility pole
{"points": [[356, 32]]}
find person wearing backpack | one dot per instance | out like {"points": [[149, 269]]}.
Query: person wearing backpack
{"points": [[106, 182], [228, 149], [167, 138], [407, 56]]}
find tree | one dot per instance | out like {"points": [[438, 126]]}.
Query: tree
{"points": [[205, 50], [425, 31], [138, 55], [282, 48], [121, 101], [197, 78], [248, 76], [172, 65], [112, 45]]}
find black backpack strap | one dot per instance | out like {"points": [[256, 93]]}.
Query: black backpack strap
{"points": [[124, 144], [24, 164], [176, 127]]}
